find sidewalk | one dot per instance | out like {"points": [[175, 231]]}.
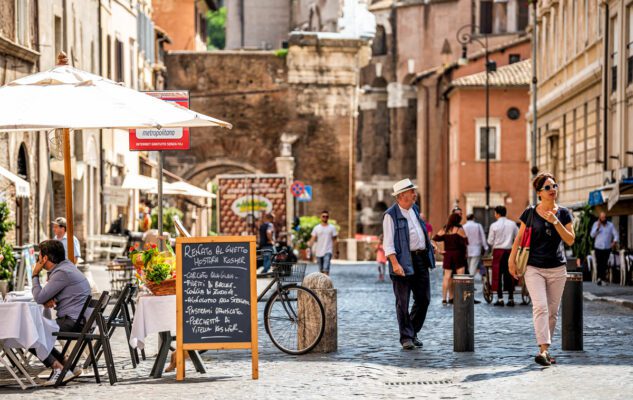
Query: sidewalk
{"points": [[611, 293]]}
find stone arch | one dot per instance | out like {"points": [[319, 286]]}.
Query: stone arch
{"points": [[379, 44], [210, 169], [379, 82]]}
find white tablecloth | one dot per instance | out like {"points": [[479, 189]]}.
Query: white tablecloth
{"points": [[153, 314], [22, 325]]}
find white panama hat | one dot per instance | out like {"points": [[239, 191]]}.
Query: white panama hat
{"points": [[403, 186]]}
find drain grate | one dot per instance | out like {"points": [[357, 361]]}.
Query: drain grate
{"points": [[408, 383]]}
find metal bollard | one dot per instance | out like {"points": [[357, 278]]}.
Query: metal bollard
{"points": [[463, 313], [572, 312]]}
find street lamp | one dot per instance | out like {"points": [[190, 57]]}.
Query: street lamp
{"points": [[465, 37]]}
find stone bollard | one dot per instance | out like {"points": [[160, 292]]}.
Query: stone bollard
{"points": [[463, 313], [322, 286], [572, 313]]}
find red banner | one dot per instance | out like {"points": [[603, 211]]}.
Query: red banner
{"points": [[151, 139]]}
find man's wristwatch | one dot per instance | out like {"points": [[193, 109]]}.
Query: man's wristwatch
{"points": [[556, 221]]}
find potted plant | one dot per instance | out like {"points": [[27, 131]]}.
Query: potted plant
{"points": [[584, 242], [306, 225], [168, 219], [7, 260]]}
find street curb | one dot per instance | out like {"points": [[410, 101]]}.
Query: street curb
{"points": [[608, 299]]}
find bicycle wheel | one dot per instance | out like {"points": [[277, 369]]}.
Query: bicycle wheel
{"points": [[294, 319]]}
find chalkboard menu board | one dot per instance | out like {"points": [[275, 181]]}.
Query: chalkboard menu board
{"points": [[216, 294]]}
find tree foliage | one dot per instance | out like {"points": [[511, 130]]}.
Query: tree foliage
{"points": [[216, 29]]}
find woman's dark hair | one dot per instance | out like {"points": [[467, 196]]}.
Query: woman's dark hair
{"points": [[540, 179], [54, 250], [454, 221]]}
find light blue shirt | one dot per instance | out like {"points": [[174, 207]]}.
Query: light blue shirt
{"points": [[604, 235], [64, 241]]}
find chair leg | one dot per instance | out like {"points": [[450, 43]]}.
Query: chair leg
{"points": [[73, 359], [127, 325], [93, 361], [107, 350]]}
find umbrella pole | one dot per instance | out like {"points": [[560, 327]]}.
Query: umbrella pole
{"points": [[68, 184], [160, 200]]}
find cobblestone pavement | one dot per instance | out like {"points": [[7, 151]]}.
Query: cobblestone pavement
{"points": [[371, 364]]}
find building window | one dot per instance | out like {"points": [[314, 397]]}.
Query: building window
{"points": [[629, 46], [379, 46], [514, 58], [118, 61], [585, 117], [523, 17], [615, 43], [494, 139], [552, 143], [58, 36], [485, 16], [598, 126], [22, 22]]}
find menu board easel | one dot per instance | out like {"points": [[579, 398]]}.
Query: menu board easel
{"points": [[216, 296]]}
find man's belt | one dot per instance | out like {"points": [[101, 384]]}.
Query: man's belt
{"points": [[419, 252]]}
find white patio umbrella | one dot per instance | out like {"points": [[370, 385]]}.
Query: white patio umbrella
{"points": [[67, 98]]}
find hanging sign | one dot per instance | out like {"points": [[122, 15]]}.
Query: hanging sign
{"points": [[150, 139]]}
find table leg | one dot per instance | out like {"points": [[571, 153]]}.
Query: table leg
{"points": [[163, 352], [18, 365], [197, 361]]}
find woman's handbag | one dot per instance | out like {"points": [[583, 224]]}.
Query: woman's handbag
{"points": [[524, 247]]}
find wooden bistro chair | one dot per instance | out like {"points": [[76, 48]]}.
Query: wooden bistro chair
{"points": [[118, 318], [95, 322], [130, 305]]}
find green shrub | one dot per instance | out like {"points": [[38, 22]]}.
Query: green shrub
{"points": [[582, 227], [8, 263], [168, 219], [306, 225]]}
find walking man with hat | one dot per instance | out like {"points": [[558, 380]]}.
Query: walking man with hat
{"points": [[59, 229], [410, 254]]}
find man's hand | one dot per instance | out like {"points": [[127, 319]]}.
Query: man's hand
{"points": [[38, 266], [397, 269], [50, 304]]}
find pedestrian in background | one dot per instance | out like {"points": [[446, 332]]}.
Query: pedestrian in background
{"points": [[267, 240], [410, 254], [500, 238], [59, 230], [454, 261], [381, 259], [324, 234], [606, 238], [477, 245], [547, 271]]}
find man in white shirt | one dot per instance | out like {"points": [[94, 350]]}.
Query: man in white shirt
{"points": [[500, 238], [324, 235], [410, 254], [59, 229], [476, 243]]}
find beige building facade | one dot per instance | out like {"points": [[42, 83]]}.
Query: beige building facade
{"points": [[585, 104]]}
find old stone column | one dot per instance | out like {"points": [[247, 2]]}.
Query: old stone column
{"points": [[320, 284]]}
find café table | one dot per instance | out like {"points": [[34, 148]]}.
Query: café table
{"points": [[157, 314], [23, 326]]}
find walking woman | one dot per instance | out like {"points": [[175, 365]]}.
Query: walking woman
{"points": [[546, 272], [455, 245]]}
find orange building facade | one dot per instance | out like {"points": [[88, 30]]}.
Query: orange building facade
{"points": [[509, 166], [184, 21]]}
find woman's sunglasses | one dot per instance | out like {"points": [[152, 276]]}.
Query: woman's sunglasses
{"points": [[549, 187]]}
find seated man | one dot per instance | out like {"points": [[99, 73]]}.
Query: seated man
{"points": [[66, 290]]}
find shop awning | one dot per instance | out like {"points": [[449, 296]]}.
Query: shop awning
{"points": [[22, 187], [150, 185]]}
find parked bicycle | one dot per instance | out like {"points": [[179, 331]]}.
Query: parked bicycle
{"points": [[294, 316]]}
